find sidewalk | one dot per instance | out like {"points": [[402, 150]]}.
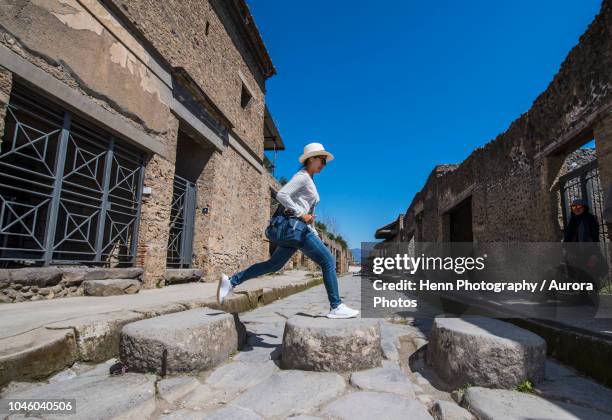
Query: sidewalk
{"points": [[43, 337]]}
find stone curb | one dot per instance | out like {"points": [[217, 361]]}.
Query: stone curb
{"points": [[95, 338], [582, 350]]}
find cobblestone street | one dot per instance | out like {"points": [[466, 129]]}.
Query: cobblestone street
{"points": [[252, 385]]}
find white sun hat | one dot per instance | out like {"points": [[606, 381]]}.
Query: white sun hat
{"points": [[315, 149]]}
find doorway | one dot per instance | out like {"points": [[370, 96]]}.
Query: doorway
{"points": [[460, 219]]}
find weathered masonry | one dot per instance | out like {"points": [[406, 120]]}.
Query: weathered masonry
{"points": [[134, 135], [518, 187]]}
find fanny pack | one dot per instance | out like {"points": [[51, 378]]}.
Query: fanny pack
{"points": [[286, 230]]}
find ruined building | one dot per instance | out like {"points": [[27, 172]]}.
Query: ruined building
{"points": [[134, 135], [518, 187]]}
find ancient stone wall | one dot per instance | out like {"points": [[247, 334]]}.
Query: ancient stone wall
{"points": [[6, 83], [178, 30], [123, 56], [342, 256], [509, 180], [43, 283], [230, 236], [61, 38]]}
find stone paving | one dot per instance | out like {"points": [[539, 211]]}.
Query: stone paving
{"points": [[251, 384], [40, 338]]}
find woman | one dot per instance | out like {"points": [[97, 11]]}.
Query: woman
{"points": [[583, 225], [298, 197], [584, 260]]}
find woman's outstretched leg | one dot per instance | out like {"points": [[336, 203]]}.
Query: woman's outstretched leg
{"points": [[277, 260]]}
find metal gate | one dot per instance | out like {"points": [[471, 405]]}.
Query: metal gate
{"points": [[182, 219], [584, 183], [69, 191]]}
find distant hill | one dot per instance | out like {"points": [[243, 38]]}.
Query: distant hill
{"points": [[356, 254], [360, 253]]}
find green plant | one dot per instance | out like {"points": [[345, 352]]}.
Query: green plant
{"points": [[525, 386], [342, 242], [464, 388], [321, 226]]}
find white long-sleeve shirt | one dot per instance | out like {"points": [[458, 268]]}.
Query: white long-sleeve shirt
{"points": [[299, 194]]}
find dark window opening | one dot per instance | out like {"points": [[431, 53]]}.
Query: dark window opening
{"points": [[245, 97]]}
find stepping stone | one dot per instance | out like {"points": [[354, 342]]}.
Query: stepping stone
{"points": [[186, 341], [129, 396], [375, 405], [383, 380], [502, 404], [485, 352], [291, 392], [337, 345], [111, 287]]}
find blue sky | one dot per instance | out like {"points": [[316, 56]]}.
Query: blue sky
{"points": [[393, 88]]}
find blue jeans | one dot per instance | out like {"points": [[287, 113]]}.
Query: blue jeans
{"points": [[314, 249]]}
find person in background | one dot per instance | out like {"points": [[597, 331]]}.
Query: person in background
{"points": [[585, 261], [583, 225]]}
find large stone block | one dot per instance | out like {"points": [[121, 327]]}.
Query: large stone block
{"points": [[186, 341], [485, 352], [36, 354], [77, 275], [338, 345], [36, 276], [111, 287], [98, 335], [183, 275]]}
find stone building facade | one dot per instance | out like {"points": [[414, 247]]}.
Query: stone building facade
{"points": [[343, 257], [507, 189], [137, 130]]}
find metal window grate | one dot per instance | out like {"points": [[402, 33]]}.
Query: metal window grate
{"points": [[69, 191], [182, 217]]}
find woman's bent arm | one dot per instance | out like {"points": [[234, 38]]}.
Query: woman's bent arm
{"points": [[284, 194]]}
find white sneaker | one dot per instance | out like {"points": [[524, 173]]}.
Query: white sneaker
{"points": [[342, 311], [224, 288]]}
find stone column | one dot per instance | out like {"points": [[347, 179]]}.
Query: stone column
{"points": [[6, 84], [155, 211], [603, 144]]}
